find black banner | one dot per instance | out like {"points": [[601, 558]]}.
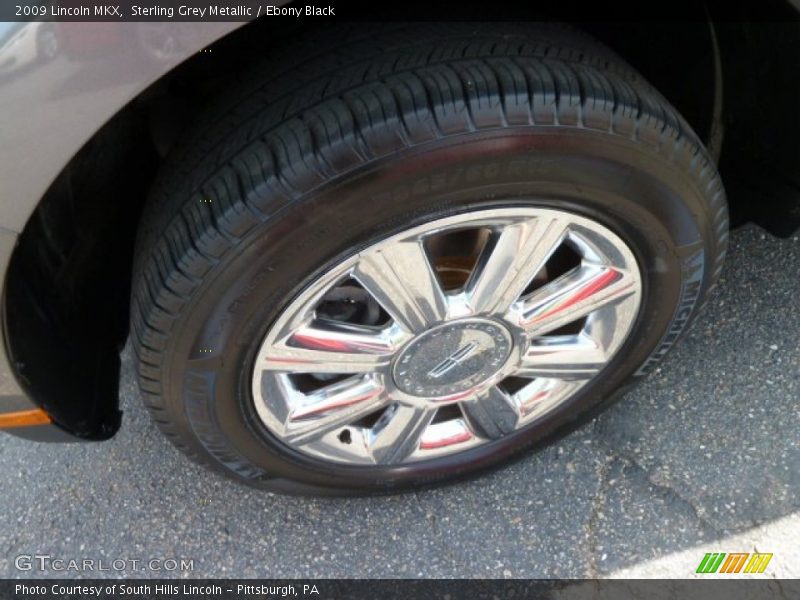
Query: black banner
{"points": [[390, 10], [325, 589]]}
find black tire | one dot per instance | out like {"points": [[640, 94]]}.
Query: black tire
{"points": [[316, 155]]}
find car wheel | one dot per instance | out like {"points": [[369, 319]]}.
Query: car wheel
{"points": [[406, 258]]}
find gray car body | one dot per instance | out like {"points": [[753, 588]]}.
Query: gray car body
{"points": [[50, 109]]}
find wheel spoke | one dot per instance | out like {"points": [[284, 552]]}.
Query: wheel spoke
{"points": [[400, 435], [573, 296], [446, 435], [314, 415], [541, 395], [493, 413], [510, 261], [328, 347], [572, 357], [401, 278]]}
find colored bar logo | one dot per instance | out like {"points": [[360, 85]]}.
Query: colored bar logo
{"points": [[734, 562]]}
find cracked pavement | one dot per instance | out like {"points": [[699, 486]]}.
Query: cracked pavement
{"points": [[703, 456]]}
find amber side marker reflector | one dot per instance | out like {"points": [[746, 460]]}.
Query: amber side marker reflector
{"points": [[24, 418]]}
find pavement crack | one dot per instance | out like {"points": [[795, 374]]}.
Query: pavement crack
{"points": [[670, 494], [598, 502], [428, 514]]}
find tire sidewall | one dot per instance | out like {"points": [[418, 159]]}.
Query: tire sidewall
{"points": [[649, 200]]}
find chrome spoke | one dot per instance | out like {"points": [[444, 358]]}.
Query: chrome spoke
{"points": [[314, 415], [541, 395], [400, 277], [493, 412], [573, 296], [399, 436], [563, 357], [510, 261], [326, 347], [445, 436]]}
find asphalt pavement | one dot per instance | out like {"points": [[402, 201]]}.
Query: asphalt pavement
{"points": [[705, 454]]}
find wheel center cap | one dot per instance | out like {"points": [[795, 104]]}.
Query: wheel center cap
{"points": [[452, 358]]}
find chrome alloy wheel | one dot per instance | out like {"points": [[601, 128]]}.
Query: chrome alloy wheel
{"points": [[446, 336]]}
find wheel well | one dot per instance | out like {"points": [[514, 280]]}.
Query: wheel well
{"points": [[68, 287]]}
